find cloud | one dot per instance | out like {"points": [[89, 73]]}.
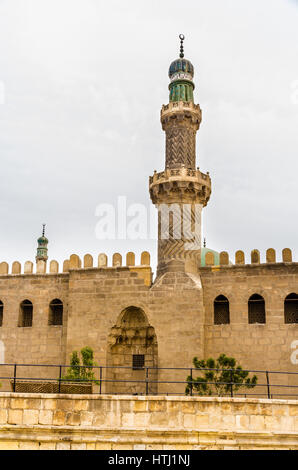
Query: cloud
{"points": [[84, 82]]}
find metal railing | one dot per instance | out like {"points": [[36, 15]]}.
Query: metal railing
{"points": [[151, 380]]}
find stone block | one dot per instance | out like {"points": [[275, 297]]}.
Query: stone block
{"points": [[30, 417], [59, 418], [15, 417], [45, 417]]}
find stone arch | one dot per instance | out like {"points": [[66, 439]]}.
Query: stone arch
{"points": [[132, 346]]}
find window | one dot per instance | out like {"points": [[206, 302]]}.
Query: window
{"points": [[56, 312], [138, 361], [26, 313], [256, 309], [1, 313], [221, 310], [291, 308]]}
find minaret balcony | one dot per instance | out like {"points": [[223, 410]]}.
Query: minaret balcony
{"points": [[181, 110], [180, 185]]}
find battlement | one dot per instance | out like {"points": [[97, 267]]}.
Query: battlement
{"points": [[75, 262], [255, 258]]}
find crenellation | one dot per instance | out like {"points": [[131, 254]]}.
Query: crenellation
{"points": [[4, 268], [145, 258], [239, 257], [54, 267], [74, 262], [88, 261], [209, 259], [130, 259], [41, 267], [255, 257], [287, 255], [28, 267], [102, 260], [16, 268], [270, 255], [224, 258], [66, 265], [117, 260]]}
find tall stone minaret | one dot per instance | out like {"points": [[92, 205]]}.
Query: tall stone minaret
{"points": [[42, 249], [180, 191]]}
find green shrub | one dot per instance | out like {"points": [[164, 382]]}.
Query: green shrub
{"points": [[226, 371], [81, 372]]}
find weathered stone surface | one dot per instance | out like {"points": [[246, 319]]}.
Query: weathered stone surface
{"points": [[142, 423]]}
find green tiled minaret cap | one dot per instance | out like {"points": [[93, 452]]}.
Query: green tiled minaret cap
{"points": [[181, 74], [42, 249], [43, 240]]}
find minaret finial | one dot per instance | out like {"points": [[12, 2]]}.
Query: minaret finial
{"points": [[205, 243], [181, 37], [43, 229]]}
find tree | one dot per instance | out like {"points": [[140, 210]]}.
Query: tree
{"points": [[84, 372], [219, 377]]}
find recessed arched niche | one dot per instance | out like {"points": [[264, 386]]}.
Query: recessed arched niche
{"points": [[132, 353]]}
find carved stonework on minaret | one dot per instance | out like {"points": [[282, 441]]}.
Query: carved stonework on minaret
{"points": [[181, 191], [181, 121]]}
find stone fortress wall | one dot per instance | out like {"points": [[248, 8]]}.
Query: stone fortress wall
{"points": [[71, 422], [119, 312]]}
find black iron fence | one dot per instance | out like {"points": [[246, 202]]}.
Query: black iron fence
{"points": [[115, 380]]}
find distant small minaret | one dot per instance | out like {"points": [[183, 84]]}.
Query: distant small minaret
{"points": [[42, 249]]}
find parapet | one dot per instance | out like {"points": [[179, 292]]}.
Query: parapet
{"points": [[255, 258], [74, 263]]}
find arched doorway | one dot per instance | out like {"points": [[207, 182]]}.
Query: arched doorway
{"points": [[132, 351]]}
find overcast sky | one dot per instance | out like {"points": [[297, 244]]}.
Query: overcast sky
{"points": [[83, 83]]}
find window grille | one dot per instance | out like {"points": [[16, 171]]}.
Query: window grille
{"points": [[138, 361], [291, 309], [26, 314], [256, 309], [221, 311], [56, 312]]}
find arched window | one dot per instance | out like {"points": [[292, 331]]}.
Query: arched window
{"points": [[291, 308], [56, 312], [221, 310], [26, 314], [1, 313], [256, 309]]}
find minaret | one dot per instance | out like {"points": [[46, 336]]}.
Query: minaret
{"points": [[180, 191], [42, 249]]}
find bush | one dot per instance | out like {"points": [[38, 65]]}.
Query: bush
{"points": [[226, 372], [84, 372]]}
